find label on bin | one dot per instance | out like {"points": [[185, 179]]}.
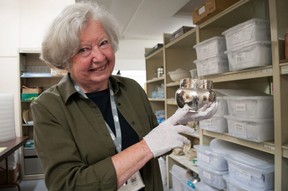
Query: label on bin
{"points": [[240, 107]]}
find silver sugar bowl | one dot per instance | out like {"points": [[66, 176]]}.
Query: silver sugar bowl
{"points": [[195, 93]]}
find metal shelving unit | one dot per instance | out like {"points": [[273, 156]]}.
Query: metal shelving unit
{"points": [[272, 79]]}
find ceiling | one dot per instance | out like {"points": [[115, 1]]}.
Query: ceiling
{"points": [[149, 19]]}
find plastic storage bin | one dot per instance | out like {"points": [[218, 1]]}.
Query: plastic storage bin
{"points": [[234, 186], [225, 148], [222, 108], [216, 124], [179, 179], [214, 65], [256, 130], [212, 177], [211, 47], [207, 157], [201, 186], [251, 55], [247, 32], [252, 169], [256, 107]]}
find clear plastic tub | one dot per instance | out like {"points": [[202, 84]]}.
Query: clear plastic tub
{"points": [[235, 186], [247, 32], [256, 107], [211, 47], [214, 65], [222, 108], [212, 177], [252, 169], [225, 148], [216, 124], [201, 186], [179, 179], [207, 157], [251, 55], [256, 130]]}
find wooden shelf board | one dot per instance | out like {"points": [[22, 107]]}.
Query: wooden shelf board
{"points": [[157, 99], [285, 150], [155, 80], [172, 84], [185, 162], [268, 147], [241, 75], [284, 68]]}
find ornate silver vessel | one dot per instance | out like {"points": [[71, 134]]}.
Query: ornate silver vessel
{"points": [[195, 93]]}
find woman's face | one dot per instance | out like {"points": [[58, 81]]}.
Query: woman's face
{"points": [[94, 62]]}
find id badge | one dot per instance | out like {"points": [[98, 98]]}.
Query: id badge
{"points": [[134, 183]]}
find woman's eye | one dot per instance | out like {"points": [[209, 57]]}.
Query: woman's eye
{"points": [[104, 44], [85, 49]]}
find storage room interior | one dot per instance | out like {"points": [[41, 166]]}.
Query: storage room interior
{"points": [[234, 53]]}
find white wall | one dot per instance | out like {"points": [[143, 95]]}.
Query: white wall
{"points": [[23, 23]]}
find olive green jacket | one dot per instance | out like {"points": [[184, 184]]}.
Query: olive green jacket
{"points": [[72, 140]]}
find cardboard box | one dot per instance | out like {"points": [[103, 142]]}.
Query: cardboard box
{"points": [[13, 175], [209, 9], [179, 32], [27, 90]]}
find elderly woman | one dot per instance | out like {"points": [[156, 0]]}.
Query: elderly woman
{"points": [[93, 129]]}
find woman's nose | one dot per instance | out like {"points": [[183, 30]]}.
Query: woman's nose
{"points": [[97, 54]]}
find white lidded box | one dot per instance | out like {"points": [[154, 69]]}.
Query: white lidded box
{"points": [[225, 148], [249, 31], [212, 177], [213, 65], [256, 107], [252, 169], [210, 47], [207, 157], [201, 186], [256, 130], [216, 124], [179, 179], [250, 55], [235, 186]]}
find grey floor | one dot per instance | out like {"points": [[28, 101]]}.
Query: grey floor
{"points": [[29, 185]]}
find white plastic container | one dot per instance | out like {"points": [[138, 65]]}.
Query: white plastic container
{"points": [[252, 169], [213, 65], [7, 120], [256, 130], [201, 186], [212, 177], [247, 32], [194, 74], [250, 55], [224, 148], [235, 186], [222, 108], [256, 107], [207, 157], [179, 180], [216, 124], [210, 47]]}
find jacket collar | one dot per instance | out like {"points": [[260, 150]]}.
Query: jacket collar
{"points": [[67, 88]]}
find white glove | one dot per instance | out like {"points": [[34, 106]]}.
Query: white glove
{"points": [[206, 112], [166, 137]]}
